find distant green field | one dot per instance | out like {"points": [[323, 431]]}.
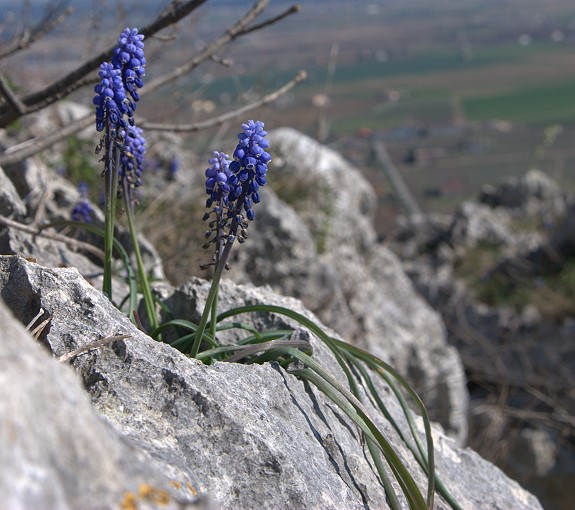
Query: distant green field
{"points": [[554, 102]]}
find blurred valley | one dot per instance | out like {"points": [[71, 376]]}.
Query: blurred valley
{"points": [[460, 92]]}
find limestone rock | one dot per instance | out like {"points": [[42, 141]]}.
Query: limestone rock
{"points": [[249, 436], [10, 203], [474, 223], [317, 242], [57, 452], [513, 352]]}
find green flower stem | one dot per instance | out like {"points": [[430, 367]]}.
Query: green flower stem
{"points": [[213, 293], [212, 296], [111, 160], [214, 314], [210, 307], [144, 284]]}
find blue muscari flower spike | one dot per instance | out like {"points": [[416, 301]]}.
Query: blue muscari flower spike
{"points": [[217, 176], [110, 97], [130, 60], [132, 156], [120, 77], [233, 189], [82, 211], [250, 166]]}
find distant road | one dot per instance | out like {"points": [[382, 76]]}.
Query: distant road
{"points": [[398, 184]]}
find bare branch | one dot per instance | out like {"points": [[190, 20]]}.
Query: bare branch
{"points": [[11, 98], [49, 22], [73, 80], [291, 10], [238, 29], [217, 121], [38, 231], [35, 145]]}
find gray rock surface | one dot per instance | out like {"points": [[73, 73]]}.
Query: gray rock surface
{"points": [[518, 356], [320, 248], [317, 242], [10, 203], [249, 436], [57, 452]]}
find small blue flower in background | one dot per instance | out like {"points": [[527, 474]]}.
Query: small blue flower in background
{"points": [[173, 168], [250, 166], [82, 211]]}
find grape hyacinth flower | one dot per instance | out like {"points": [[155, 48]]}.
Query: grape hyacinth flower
{"points": [[233, 189], [250, 166], [110, 98], [132, 158], [120, 77], [130, 60], [82, 211], [216, 179], [123, 143], [173, 168]]}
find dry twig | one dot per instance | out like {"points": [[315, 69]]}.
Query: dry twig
{"points": [[34, 146], [92, 345], [75, 79], [217, 121]]}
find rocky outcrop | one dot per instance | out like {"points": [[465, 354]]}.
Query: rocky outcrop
{"points": [[313, 239], [494, 273], [317, 243], [57, 450], [241, 436], [237, 435]]}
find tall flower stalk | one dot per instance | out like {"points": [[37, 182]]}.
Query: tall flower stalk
{"points": [[233, 189], [124, 146]]}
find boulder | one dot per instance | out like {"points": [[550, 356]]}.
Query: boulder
{"points": [[475, 223], [243, 436], [314, 239], [531, 193], [10, 203], [518, 356], [57, 451]]}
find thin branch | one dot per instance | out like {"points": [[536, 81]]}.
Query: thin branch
{"points": [[92, 345], [238, 29], [11, 98], [38, 231], [38, 315], [34, 146], [28, 37], [291, 10], [73, 80], [216, 121]]}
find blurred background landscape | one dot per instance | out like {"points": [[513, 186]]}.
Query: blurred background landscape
{"points": [[462, 92]]}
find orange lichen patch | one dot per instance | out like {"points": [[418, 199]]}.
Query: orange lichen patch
{"points": [[192, 489], [130, 501], [153, 494], [175, 485]]}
